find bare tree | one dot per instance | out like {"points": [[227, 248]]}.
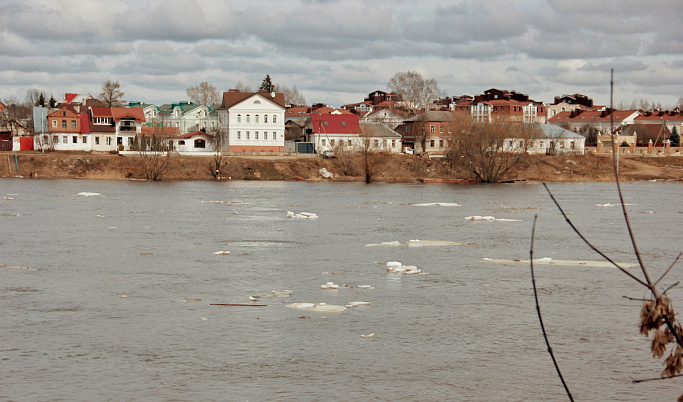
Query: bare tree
{"points": [[416, 92], [204, 94], [34, 97], [240, 86], [16, 117], [488, 150], [215, 167], [292, 95], [155, 152], [111, 93]]}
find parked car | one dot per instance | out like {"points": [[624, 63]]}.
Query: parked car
{"points": [[328, 154]]}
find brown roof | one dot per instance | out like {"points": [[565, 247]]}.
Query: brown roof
{"points": [[231, 98], [193, 134], [120, 112]]}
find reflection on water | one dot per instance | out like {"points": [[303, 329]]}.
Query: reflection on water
{"points": [[106, 310]]}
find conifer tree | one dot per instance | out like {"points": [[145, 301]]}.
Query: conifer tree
{"points": [[267, 84]]}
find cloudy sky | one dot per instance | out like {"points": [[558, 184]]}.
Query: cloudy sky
{"points": [[338, 51]]}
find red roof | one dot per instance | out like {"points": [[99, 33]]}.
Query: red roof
{"points": [[591, 115], [193, 134], [659, 116], [101, 112], [69, 97], [231, 98], [335, 123], [298, 111], [120, 112], [85, 123]]}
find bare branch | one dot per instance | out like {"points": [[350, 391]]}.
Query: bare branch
{"points": [[669, 269], [538, 310], [657, 378], [670, 287]]}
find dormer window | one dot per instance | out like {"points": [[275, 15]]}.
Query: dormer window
{"points": [[257, 102]]}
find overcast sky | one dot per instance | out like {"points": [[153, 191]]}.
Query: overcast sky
{"points": [[338, 51]]}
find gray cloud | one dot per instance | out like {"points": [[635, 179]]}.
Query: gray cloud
{"points": [[342, 50]]}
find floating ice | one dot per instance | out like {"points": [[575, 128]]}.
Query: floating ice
{"points": [[7, 198], [398, 268], [301, 215], [325, 173], [358, 303], [222, 252], [186, 300], [419, 243], [322, 307], [365, 287], [330, 286], [368, 335], [284, 293], [87, 194], [437, 204], [568, 263], [480, 218]]}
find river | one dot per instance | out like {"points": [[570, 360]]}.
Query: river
{"points": [[117, 303]]}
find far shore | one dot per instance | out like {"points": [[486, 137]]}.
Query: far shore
{"points": [[384, 168]]}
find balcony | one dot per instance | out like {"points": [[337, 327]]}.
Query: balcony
{"points": [[127, 128]]}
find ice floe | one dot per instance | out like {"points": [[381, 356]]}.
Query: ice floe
{"points": [[368, 335], [283, 293], [325, 173], [87, 194], [436, 204], [568, 263], [358, 303], [490, 218], [419, 243], [330, 286], [365, 287], [301, 215], [321, 307], [398, 268], [613, 205], [221, 252]]}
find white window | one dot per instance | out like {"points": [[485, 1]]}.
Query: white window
{"points": [[256, 132], [97, 140], [239, 135], [274, 119], [265, 135], [85, 140], [256, 120], [274, 135], [65, 140], [265, 118], [322, 142], [431, 128], [54, 123], [247, 134], [108, 141], [248, 118], [239, 118]]}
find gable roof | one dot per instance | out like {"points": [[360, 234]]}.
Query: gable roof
{"points": [[232, 98], [433, 116], [376, 129], [552, 131], [335, 123], [592, 115], [120, 112]]}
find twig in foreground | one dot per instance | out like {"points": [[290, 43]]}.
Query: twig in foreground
{"points": [[538, 310]]}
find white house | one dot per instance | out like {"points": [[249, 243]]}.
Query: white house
{"points": [[548, 139], [253, 121]]}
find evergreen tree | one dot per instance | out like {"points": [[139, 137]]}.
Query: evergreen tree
{"points": [[267, 84], [41, 100], [52, 101], [675, 138]]}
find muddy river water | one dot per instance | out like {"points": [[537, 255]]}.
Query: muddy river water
{"points": [[129, 298]]}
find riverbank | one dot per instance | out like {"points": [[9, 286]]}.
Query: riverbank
{"points": [[384, 168]]}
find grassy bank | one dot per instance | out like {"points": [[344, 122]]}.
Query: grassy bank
{"points": [[383, 168]]}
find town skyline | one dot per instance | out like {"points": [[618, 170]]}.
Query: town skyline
{"points": [[336, 52]]}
